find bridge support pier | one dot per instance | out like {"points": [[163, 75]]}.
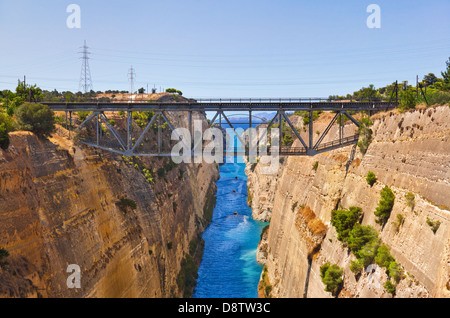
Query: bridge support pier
{"points": [[129, 127]]}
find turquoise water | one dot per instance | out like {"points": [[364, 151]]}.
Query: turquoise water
{"points": [[229, 268]]}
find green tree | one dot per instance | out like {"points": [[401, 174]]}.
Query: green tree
{"points": [[360, 236], [368, 251], [344, 221], [429, 79], [384, 257], [37, 118], [395, 271], [446, 74], [3, 255], [371, 178], [331, 276], [383, 211], [407, 99], [390, 288], [356, 267], [6, 126], [4, 137], [288, 140], [365, 134]]}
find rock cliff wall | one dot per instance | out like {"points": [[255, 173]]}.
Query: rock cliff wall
{"points": [[62, 203], [410, 153]]}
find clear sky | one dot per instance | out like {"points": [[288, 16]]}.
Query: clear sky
{"points": [[226, 48]]}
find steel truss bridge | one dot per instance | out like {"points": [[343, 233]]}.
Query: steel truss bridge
{"points": [[127, 145]]}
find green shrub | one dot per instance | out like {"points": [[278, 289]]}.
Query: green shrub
{"points": [[3, 255], [36, 118], [395, 271], [187, 277], [6, 126], [365, 134], [344, 220], [4, 137], [161, 172], [367, 252], [407, 99], [7, 121], [287, 140], [433, 224], [371, 178], [356, 267], [383, 257], [399, 222], [390, 288], [83, 115], [360, 236], [316, 165], [383, 211], [124, 203], [410, 200], [331, 276]]}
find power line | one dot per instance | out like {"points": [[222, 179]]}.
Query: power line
{"points": [[85, 77]]}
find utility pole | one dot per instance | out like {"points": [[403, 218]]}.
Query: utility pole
{"points": [[417, 86], [132, 75], [85, 77]]}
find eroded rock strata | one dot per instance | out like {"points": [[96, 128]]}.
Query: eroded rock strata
{"points": [[62, 203], [410, 152]]}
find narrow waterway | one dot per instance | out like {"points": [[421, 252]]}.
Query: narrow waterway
{"points": [[229, 268]]}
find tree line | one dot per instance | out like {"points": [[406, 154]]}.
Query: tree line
{"points": [[430, 90]]}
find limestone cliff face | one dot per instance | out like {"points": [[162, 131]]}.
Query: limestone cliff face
{"points": [[60, 205], [410, 153]]}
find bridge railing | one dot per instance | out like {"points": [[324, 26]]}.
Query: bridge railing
{"points": [[338, 142], [262, 100]]}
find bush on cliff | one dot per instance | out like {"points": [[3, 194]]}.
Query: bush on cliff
{"points": [[6, 126], [344, 220], [371, 178], [4, 137], [36, 118], [365, 134], [331, 276], [3, 254], [363, 242], [383, 211]]}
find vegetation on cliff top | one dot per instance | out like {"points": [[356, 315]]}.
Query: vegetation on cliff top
{"points": [[36, 118], [431, 90]]}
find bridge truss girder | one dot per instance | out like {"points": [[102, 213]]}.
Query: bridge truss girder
{"points": [[126, 146]]}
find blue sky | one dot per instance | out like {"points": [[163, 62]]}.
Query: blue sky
{"points": [[233, 48]]}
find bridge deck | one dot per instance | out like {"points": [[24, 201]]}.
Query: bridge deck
{"points": [[232, 105]]}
